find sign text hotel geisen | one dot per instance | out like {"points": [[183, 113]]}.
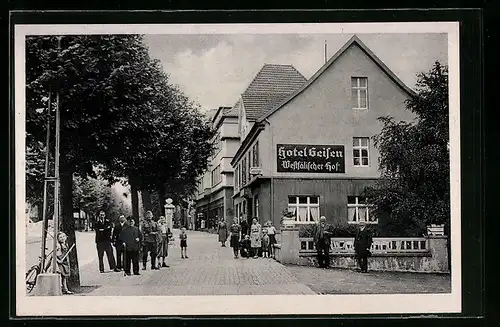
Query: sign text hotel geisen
{"points": [[302, 158]]}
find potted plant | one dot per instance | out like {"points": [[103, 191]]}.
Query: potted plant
{"points": [[287, 217]]}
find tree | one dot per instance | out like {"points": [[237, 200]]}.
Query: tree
{"points": [[98, 80], [118, 113], [414, 188]]}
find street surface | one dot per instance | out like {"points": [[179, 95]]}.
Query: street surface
{"points": [[212, 270]]}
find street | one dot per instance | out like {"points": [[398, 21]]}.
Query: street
{"points": [[212, 270]]}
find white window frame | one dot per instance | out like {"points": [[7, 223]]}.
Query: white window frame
{"points": [[295, 207], [356, 206], [358, 88], [360, 147]]}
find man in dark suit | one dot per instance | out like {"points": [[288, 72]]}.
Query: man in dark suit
{"points": [[362, 245], [131, 238], [321, 237], [103, 227], [116, 242], [244, 226]]}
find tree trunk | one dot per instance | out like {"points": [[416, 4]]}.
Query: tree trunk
{"points": [[161, 197], [146, 200], [67, 224], [135, 200]]}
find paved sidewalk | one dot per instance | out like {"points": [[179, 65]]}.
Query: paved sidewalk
{"points": [[344, 281], [210, 270]]}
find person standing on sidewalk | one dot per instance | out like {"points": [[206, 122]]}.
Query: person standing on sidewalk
{"points": [[234, 242], [131, 239], [103, 227], [244, 226], [149, 230], [165, 235], [222, 231], [255, 237], [63, 261], [117, 243], [362, 245], [321, 237], [183, 239], [271, 231]]}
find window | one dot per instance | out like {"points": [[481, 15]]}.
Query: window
{"points": [[244, 207], [306, 208], [249, 164], [244, 171], [359, 93], [216, 176], [358, 209], [236, 180], [255, 155], [256, 206], [360, 151]]}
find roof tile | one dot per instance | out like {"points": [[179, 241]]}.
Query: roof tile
{"points": [[270, 86]]}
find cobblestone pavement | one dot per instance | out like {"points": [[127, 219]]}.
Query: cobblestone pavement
{"points": [[210, 270], [343, 281]]}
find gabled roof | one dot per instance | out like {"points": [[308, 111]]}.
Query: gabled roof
{"points": [[352, 41], [272, 84]]}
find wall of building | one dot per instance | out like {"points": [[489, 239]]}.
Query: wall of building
{"points": [[322, 114], [332, 194]]}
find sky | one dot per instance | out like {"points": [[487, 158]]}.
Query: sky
{"points": [[214, 69]]}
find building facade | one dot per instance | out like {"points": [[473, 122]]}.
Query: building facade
{"points": [[215, 186], [312, 154], [272, 85]]}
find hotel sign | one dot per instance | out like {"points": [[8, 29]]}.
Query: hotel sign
{"points": [[301, 158]]}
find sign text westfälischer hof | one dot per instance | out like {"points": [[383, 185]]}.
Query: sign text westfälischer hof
{"points": [[302, 158]]}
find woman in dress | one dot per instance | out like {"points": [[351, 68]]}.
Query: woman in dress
{"points": [[234, 242], [255, 237], [63, 261], [222, 231]]}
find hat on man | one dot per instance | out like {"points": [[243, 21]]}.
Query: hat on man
{"points": [[322, 218]]}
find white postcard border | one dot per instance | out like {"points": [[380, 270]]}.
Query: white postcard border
{"points": [[240, 305]]}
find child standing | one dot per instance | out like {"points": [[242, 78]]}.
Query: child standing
{"points": [[265, 243], [246, 247], [183, 237], [63, 261]]}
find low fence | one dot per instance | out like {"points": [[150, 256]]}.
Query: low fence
{"points": [[417, 254]]}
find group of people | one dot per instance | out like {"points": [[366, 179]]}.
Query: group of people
{"points": [[248, 241], [322, 241], [151, 237]]}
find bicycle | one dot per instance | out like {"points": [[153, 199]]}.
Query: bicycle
{"points": [[34, 271]]}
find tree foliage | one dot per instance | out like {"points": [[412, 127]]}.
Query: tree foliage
{"points": [[118, 112], [414, 189]]}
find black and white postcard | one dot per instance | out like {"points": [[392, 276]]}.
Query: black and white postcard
{"points": [[237, 169]]}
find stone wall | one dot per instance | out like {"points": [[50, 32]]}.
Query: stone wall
{"points": [[432, 260]]}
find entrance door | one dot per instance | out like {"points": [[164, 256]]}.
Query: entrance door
{"points": [[249, 209]]}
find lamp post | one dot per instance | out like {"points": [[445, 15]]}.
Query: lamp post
{"points": [[169, 212]]}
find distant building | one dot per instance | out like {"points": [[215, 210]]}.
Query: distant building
{"points": [[215, 186], [311, 151]]}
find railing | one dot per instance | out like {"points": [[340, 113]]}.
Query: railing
{"points": [[379, 245]]}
